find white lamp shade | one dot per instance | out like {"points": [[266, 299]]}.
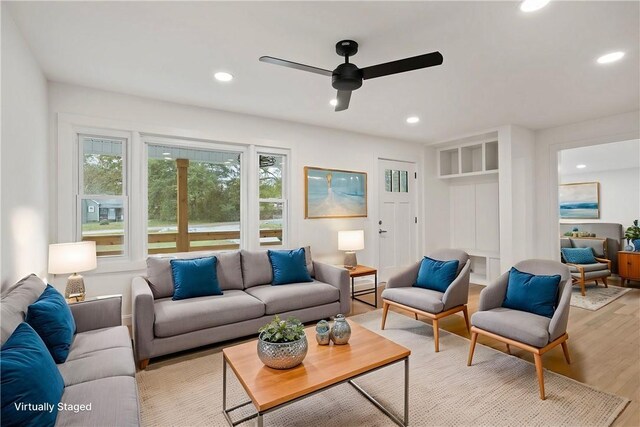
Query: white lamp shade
{"points": [[351, 240], [72, 257]]}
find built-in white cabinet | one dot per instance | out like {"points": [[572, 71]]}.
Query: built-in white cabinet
{"points": [[475, 158]]}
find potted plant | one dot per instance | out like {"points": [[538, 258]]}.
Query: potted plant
{"points": [[633, 235], [282, 344]]}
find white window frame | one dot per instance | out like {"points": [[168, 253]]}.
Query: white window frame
{"points": [[242, 150], [269, 151], [125, 138]]}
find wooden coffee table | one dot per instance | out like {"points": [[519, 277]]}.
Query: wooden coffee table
{"points": [[325, 366]]}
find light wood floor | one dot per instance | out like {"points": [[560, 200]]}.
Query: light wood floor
{"points": [[604, 346]]}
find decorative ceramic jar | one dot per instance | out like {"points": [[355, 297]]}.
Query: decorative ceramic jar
{"points": [[323, 332], [340, 331], [282, 355]]}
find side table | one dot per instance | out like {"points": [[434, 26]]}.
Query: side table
{"points": [[361, 271]]}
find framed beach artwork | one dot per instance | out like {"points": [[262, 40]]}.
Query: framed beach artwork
{"points": [[580, 200], [333, 193]]}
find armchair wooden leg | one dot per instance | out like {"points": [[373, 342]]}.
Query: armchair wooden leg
{"points": [[415, 315], [582, 288], [508, 349], [472, 347], [143, 364], [385, 310], [436, 335], [540, 372], [604, 280], [466, 318], [565, 350]]}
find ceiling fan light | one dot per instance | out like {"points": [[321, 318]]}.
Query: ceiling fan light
{"points": [[610, 57], [333, 102], [533, 5]]}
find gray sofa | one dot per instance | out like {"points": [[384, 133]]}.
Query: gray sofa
{"points": [[162, 326], [99, 369]]}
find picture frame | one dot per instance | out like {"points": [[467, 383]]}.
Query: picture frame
{"points": [[334, 193], [579, 200]]}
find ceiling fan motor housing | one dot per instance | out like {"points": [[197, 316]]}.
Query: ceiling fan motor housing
{"points": [[346, 77]]}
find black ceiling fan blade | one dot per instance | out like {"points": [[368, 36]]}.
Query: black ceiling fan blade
{"points": [[344, 96], [402, 65], [289, 64]]}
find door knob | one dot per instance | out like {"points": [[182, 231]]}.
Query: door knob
{"points": [[380, 231]]}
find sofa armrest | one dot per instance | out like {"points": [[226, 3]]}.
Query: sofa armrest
{"points": [[458, 291], [405, 278], [338, 277], [605, 261], [560, 319], [142, 318], [97, 314], [493, 295]]}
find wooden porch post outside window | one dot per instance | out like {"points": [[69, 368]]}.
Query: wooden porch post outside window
{"points": [[182, 240]]}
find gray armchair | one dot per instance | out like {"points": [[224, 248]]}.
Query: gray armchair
{"points": [[528, 331], [583, 273], [400, 292]]}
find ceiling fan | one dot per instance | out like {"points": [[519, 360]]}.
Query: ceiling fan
{"points": [[348, 77]]}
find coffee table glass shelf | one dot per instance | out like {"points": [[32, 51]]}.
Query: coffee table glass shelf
{"points": [[325, 366]]}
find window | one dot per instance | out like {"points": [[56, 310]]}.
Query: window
{"points": [[272, 198], [102, 193], [396, 181], [193, 199]]}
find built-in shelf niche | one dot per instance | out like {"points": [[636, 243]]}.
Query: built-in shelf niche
{"points": [[477, 158]]}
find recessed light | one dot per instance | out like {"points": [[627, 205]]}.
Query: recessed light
{"points": [[610, 57], [533, 5], [581, 166], [413, 120], [221, 76], [333, 102], [166, 154]]}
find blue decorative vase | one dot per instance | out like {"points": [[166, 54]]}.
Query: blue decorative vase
{"points": [[636, 243]]}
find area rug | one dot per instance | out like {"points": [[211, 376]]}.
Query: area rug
{"points": [[497, 390], [596, 297]]}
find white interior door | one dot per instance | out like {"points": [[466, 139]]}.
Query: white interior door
{"points": [[397, 225]]}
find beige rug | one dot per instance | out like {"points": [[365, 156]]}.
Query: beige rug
{"points": [[596, 296], [498, 390]]}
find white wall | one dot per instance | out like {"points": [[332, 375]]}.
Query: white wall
{"points": [[310, 146], [24, 159], [619, 193], [549, 142]]}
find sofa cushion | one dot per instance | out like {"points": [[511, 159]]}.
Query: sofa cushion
{"points": [[110, 362], [256, 268], [114, 402], [99, 339], [423, 299], [51, 318], [15, 300], [518, 325], [294, 296], [194, 314], [159, 277], [436, 275], [29, 376], [289, 267], [590, 275], [536, 294], [194, 278]]}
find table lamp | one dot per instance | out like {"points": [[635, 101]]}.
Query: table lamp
{"points": [[73, 258], [350, 241]]}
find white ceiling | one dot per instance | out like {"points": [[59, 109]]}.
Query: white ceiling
{"points": [[501, 65], [604, 157]]}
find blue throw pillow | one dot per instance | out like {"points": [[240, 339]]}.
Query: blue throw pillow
{"points": [[289, 267], [436, 275], [578, 255], [51, 318], [195, 277], [531, 293], [31, 383]]}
